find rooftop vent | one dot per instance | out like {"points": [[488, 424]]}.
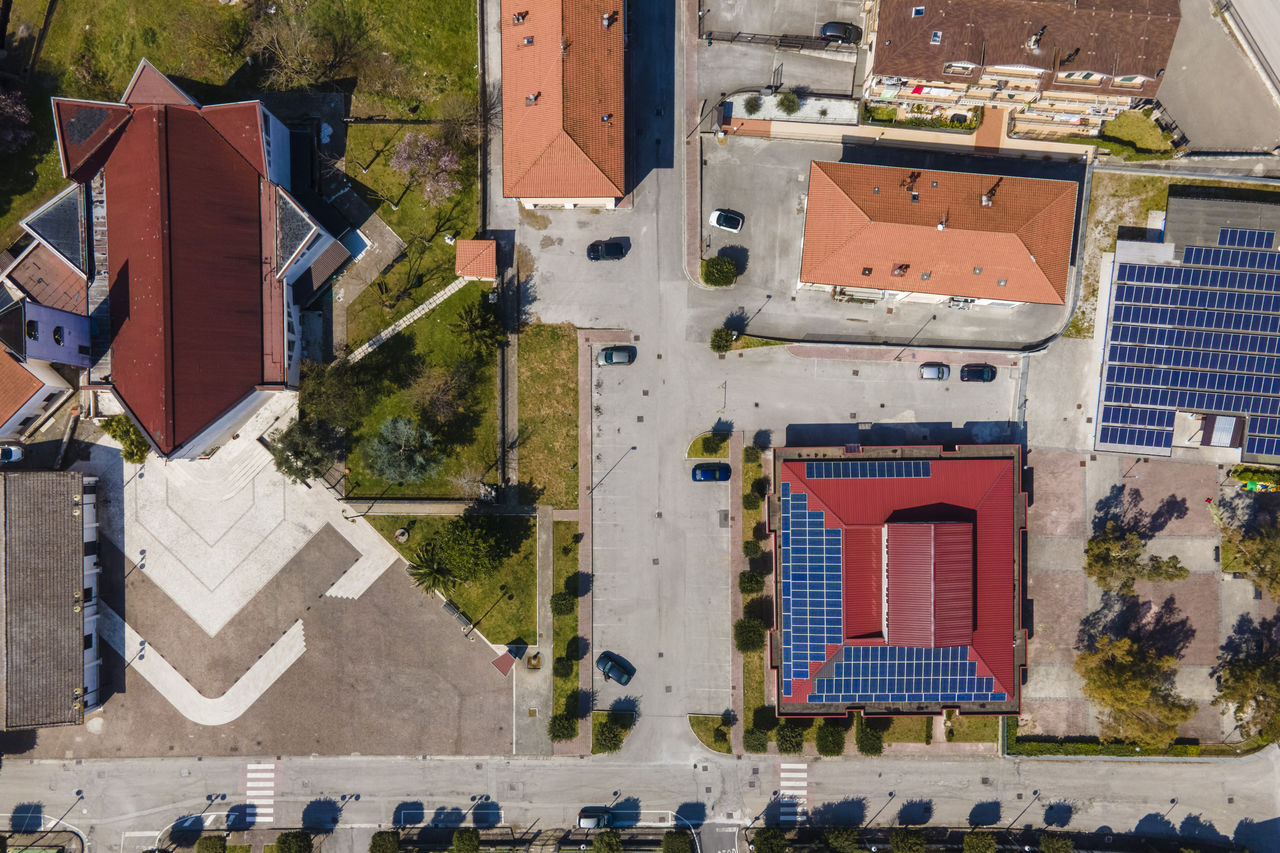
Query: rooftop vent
{"points": [[518, 17], [1034, 41], [986, 200], [915, 197], [528, 40], [532, 99], [866, 271], [606, 117], [942, 224], [977, 270], [605, 20], [1002, 282], [901, 269]]}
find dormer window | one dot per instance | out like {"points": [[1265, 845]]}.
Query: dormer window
{"points": [[936, 38], [917, 11], [58, 337], [33, 330]]}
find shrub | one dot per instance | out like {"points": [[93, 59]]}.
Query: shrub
{"points": [[750, 582], [760, 485], [751, 501], [906, 841], [562, 727], [719, 271], [719, 735], [751, 454], [721, 341], [789, 737], [562, 668], [928, 730], [831, 738], [788, 102], [1053, 842], [759, 531], [870, 741], [751, 548], [466, 840], [606, 736], [211, 844], [843, 839], [748, 634], [979, 842], [752, 104], [769, 840], [563, 603], [385, 841], [676, 841], [133, 447], [607, 842], [294, 841], [755, 740]]}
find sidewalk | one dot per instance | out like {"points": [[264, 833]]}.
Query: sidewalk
{"points": [[532, 688]]}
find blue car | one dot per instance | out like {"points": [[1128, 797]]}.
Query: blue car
{"points": [[711, 472]]}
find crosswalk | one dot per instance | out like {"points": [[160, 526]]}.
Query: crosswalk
{"points": [[793, 794], [260, 793]]}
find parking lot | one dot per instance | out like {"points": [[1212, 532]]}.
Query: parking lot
{"points": [[778, 17]]}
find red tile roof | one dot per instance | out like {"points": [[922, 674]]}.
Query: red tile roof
{"points": [[569, 142], [241, 125], [50, 280], [477, 259], [17, 386], [151, 88], [863, 218], [83, 127]]}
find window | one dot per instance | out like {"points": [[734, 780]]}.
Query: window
{"points": [[875, 191], [91, 548], [959, 69], [917, 11], [933, 184], [924, 276], [88, 642], [49, 398], [977, 270], [936, 38], [87, 594], [866, 271], [26, 422], [59, 337], [915, 197]]}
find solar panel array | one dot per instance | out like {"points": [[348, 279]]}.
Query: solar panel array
{"points": [[1194, 339], [1246, 238], [810, 578], [902, 674], [866, 469]]}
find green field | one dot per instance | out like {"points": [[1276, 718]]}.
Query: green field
{"points": [[548, 391]]}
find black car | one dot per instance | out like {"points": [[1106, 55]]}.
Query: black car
{"points": [[840, 32], [615, 668], [606, 250], [977, 373]]}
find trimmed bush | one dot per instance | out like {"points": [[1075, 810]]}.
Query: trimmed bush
{"points": [[769, 840], [562, 667], [751, 454], [979, 842], [843, 839], [755, 740], [760, 486], [1054, 842], [294, 841], [721, 341], [385, 841], [906, 841], [607, 736], [719, 271], [759, 531], [830, 738], [788, 102], [211, 844], [676, 841], [751, 549], [563, 603], [789, 737], [870, 741], [134, 448], [750, 582], [748, 634], [607, 842], [752, 104], [466, 840], [562, 727], [751, 501]]}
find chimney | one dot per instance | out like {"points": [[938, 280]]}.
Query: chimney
{"points": [[986, 200], [942, 226], [528, 41], [605, 20], [532, 99]]}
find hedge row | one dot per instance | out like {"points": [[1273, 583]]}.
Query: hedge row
{"points": [[1038, 745]]}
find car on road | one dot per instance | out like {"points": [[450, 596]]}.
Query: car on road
{"points": [[711, 472], [616, 355], [977, 373], [615, 668], [840, 32], [935, 370], [10, 453], [727, 220], [595, 817], [606, 250]]}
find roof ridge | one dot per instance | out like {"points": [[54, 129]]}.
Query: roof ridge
{"points": [[1026, 229]]}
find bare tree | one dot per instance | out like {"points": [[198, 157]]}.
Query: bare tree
{"points": [[14, 118], [305, 42]]}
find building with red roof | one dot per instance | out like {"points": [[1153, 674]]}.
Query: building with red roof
{"points": [[898, 579], [181, 243]]}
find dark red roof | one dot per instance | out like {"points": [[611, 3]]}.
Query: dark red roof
{"points": [[83, 127], [862, 590], [930, 584]]}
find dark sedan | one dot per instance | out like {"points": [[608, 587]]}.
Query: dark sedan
{"points": [[840, 32], [977, 373], [711, 472], [606, 250], [615, 668]]}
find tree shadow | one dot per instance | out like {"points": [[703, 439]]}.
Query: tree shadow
{"points": [[186, 831], [447, 816], [985, 814], [851, 811], [1058, 814], [408, 813], [1123, 506], [764, 718], [579, 584], [740, 255], [1155, 824], [763, 439], [915, 812], [624, 712], [321, 815], [1258, 835], [577, 648], [18, 741], [1195, 826], [1164, 629], [761, 608], [691, 815], [1249, 641], [486, 813], [625, 812], [27, 818], [579, 703], [736, 321], [241, 817]]}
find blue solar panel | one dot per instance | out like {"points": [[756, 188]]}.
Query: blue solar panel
{"points": [[810, 577], [1246, 237], [903, 674], [866, 469]]}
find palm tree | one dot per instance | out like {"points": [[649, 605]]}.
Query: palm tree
{"points": [[429, 571]]}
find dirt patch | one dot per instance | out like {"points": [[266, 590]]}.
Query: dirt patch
{"points": [[535, 220], [548, 241], [525, 266]]}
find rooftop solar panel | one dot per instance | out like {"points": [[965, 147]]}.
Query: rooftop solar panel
{"points": [[810, 586], [866, 469], [904, 674], [1246, 237]]}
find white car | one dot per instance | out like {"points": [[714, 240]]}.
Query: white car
{"points": [[727, 220], [10, 453]]}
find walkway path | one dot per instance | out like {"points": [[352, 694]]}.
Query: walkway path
{"points": [[400, 325], [384, 247], [533, 687]]}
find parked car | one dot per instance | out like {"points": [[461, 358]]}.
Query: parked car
{"points": [[615, 668], [10, 453], [606, 250], [977, 373], [616, 355], [840, 32], [711, 472], [595, 817], [727, 220], [935, 370]]}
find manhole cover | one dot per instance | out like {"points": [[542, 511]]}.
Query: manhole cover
{"points": [[724, 518]]}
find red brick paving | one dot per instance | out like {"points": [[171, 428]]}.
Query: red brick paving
{"points": [[1058, 482]]}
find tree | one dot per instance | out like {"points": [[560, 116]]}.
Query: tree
{"points": [[676, 841], [14, 118], [562, 727], [748, 634], [466, 840], [721, 340], [133, 446], [904, 840], [477, 323], [1055, 842], [303, 43], [335, 394], [977, 841], [563, 603], [1248, 678], [607, 842], [305, 449], [831, 736], [769, 840], [1113, 559], [751, 549], [385, 841], [869, 737], [562, 668], [607, 736], [1133, 688], [843, 839], [294, 841], [788, 102], [750, 582], [755, 740], [429, 161], [442, 392], [470, 548], [1257, 554], [752, 104], [789, 737], [719, 271], [430, 569], [402, 452]]}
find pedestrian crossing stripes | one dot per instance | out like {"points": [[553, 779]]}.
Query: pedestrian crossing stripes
{"points": [[793, 791], [260, 793]]}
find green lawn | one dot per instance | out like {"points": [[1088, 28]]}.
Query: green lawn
{"points": [[973, 729], [564, 628], [753, 665], [1139, 130], [706, 727], [513, 617], [751, 342], [548, 391], [239, 848], [709, 446], [470, 439], [907, 729]]}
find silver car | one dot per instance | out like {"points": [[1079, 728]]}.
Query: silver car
{"points": [[615, 355], [935, 370]]}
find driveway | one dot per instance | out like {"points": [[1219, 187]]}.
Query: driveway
{"points": [[778, 17]]}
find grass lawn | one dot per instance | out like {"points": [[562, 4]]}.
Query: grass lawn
{"points": [[709, 446], [973, 729], [907, 729], [513, 617], [1139, 130], [599, 717], [706, 728], [268, 848], [753, 665], [564, 549], [548, 389], [751, 342], [470, 439], [239, 848]]}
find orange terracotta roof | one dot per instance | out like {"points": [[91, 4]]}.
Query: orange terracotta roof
{"points": [[477, 259], [863, 218], [17, 386], [567, 143]]}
